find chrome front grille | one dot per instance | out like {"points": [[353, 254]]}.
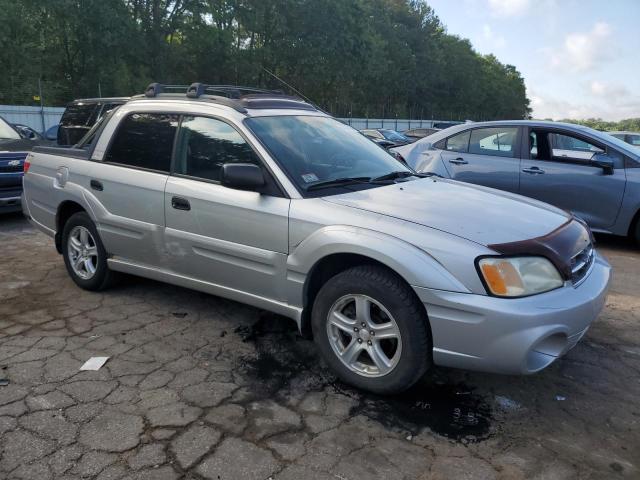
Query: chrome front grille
{"points": [[581, 263]]}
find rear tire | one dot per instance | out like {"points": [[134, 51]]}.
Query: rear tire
{"points": [[84, 254], [391, 352]]}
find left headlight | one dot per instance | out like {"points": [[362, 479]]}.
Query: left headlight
{"points": [[518, 276]]}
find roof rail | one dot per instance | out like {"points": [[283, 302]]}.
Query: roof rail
{"points": [[197, 89], [237, 97]]}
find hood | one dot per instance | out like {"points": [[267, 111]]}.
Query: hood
{"points": [[482, 215]]}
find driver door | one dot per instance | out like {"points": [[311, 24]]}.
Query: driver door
{"points": [[236, 239], [559, 171]]}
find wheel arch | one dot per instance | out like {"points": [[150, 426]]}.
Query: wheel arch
{"points": [[332, 250], [65, 210]]}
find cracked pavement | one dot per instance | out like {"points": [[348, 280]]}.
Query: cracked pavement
{"points": [[204, 388]]}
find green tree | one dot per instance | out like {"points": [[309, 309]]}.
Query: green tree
{"points": [[352, 57]]}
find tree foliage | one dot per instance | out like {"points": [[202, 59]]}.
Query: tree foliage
{"points": [[628, 124], [352, 57]]}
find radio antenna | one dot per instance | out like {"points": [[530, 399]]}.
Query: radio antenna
{"points": [[291, 87]]}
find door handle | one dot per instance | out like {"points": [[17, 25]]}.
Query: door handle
{"points": [[96, 185], [180, 203], [458, 161], [534, 170]]}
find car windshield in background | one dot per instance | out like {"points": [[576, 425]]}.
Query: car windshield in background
{"points": [[394, 136], [315, 149], [7, 132], [621, 144]]}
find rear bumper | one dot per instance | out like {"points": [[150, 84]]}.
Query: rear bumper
{"points": [[513, 336]]}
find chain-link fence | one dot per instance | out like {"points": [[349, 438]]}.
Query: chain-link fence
{"points": [[38, 118]]}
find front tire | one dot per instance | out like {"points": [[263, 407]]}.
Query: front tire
{"points": [[372, 330], [84, 254], [635, 233]]}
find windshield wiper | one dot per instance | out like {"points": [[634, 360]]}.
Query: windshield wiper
{"points": [[401, 174], [389, 177], [337, 182]]}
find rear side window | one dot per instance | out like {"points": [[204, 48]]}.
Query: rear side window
{"points": [[206, 144], [500, 142], [144, 140], [458, 143], [78, 114]]}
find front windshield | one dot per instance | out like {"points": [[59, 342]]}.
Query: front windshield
{"points": [[6, 132], [393, 136], [314, 149]]}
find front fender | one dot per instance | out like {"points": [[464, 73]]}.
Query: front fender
{"points": [[416, 266]]}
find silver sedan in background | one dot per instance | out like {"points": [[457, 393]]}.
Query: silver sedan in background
{"points": [[592, 174], [632, 138]]}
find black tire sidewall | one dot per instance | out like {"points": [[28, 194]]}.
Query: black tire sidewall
{"points": [[99, 280], [403, 305]]}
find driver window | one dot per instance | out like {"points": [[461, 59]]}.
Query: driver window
{"points": [[205, 144], [567, 146]]}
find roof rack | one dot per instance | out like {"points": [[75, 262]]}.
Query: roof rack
{"points": [[237, 97], [196, 90]]}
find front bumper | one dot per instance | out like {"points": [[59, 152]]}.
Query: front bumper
{"points": [[10, 203], [513, 336]]}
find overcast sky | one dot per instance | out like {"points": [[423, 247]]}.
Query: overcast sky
{"points": [[579, 58]]}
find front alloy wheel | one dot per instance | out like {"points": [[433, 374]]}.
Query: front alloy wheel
{"points": [[364, 335], [372, 330]]}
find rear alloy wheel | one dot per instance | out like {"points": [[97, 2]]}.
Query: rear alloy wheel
{"points": [[372, 330], [84, 255], [83, 252]]}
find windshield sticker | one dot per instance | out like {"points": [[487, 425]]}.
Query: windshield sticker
{"points": [[309, 177]]}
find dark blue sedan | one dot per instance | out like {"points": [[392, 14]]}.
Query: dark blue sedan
{"points": [[14, 148]]}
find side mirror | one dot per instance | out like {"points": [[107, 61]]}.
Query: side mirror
{"points": [[51, 134], [605, 163], [26, 133], [241, 176]]}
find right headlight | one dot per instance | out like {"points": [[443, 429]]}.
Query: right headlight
{"points": [[518, 276]]}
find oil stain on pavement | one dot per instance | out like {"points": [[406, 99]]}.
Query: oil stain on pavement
{"points": [[446, 407]]}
